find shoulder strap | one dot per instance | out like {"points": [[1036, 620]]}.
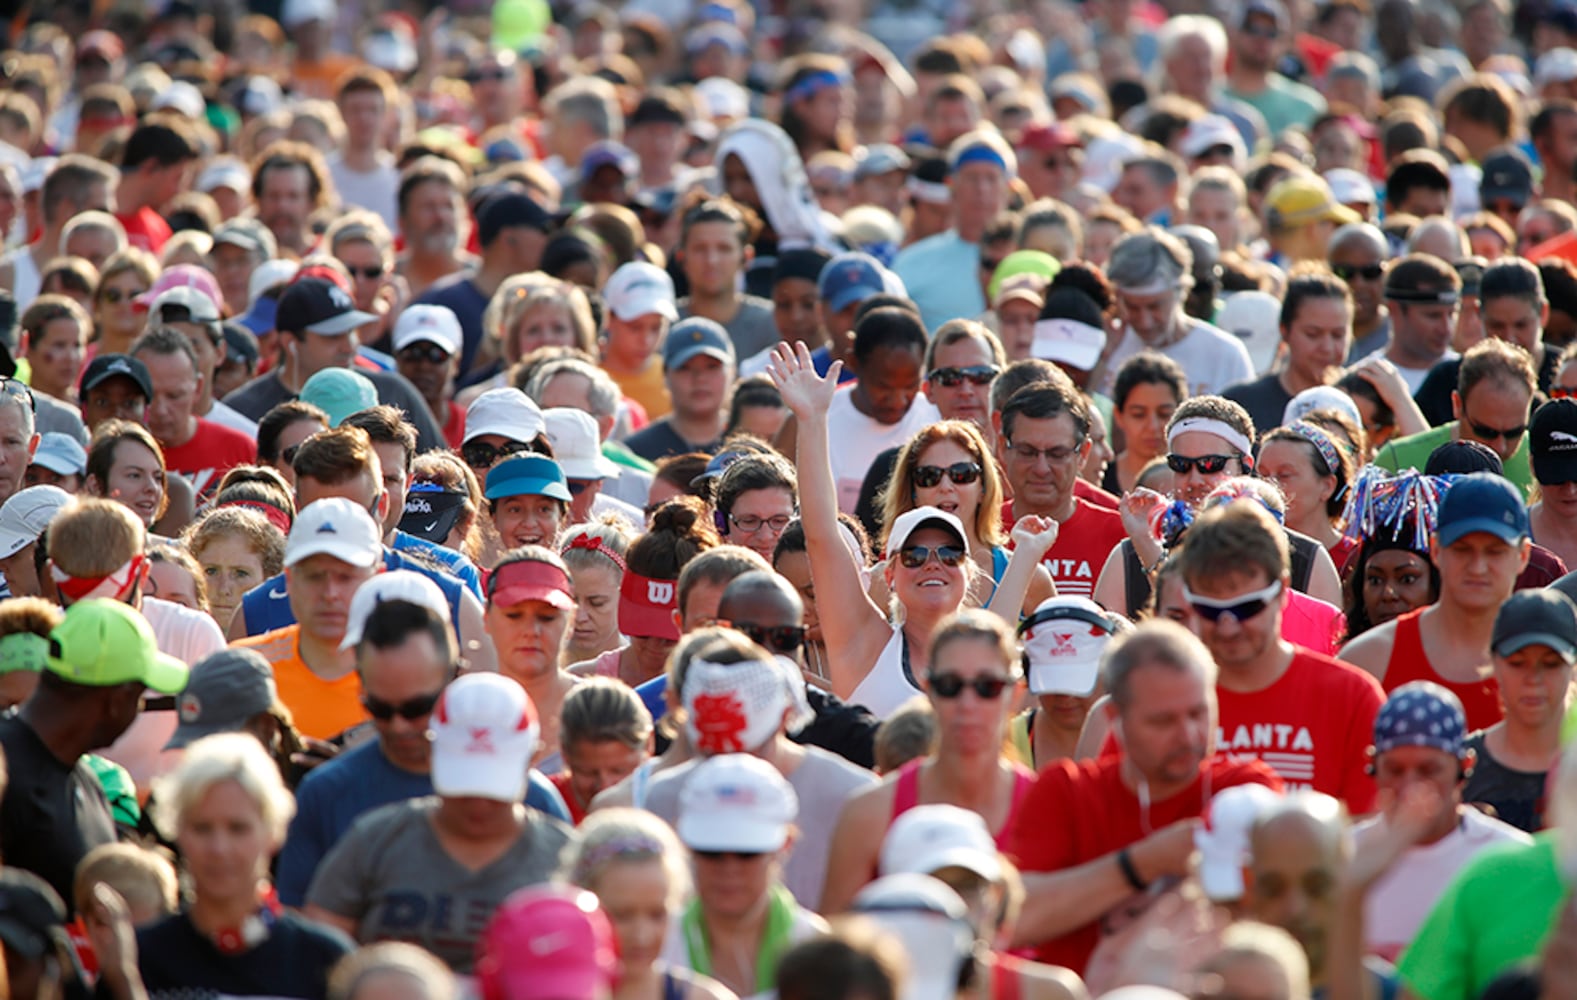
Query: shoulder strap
{"points": [[1302, 561], [1136, 585], [906, 790]]}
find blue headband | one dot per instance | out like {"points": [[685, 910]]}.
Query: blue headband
{"points": [[981, 153], [812, 85]]}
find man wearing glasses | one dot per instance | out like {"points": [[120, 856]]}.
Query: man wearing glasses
{"points": [[1261, 34], [1303, 714], [1357, 254], [405, 653], [1494, 390], [1045, 439], [1152, 271], [18, 435]]}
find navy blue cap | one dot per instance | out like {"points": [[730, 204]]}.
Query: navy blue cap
{"points": [[1421, 714], [610, 154], [695, 336], [107, 366], [717, 465], [850, 278], [527, 475], [1482, 501]]}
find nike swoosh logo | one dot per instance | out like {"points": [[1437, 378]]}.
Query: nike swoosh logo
{"points": [[278, 594], [431, 526]]}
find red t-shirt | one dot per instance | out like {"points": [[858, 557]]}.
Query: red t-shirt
{"points": [[561, 782], [1313, 727], [214, 450], [146, 229], [1078, 812], [1086, 490], [1083, 543], [454, 427]]}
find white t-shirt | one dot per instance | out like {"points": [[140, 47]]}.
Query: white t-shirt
{"points": [[229, 416], [1414, 377], [1398, 903], [377, 190], [858, 439], [1212, 358]]}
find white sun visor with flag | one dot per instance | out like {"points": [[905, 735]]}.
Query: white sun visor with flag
{"points": [[1063, 642]]}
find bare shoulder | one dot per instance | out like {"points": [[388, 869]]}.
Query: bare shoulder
{"points": [[1372, 650], [699, 987], [621, 795], [870, 805], [1038, 981], [585, 668]]}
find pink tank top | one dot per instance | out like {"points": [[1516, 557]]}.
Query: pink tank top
{"points": [[906, 795], [1313, 624]]}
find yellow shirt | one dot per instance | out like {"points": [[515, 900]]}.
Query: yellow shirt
{"points": [[321, 709], [646, 387]]}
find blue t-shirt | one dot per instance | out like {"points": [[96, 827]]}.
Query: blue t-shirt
{"points": [[653, 695], [821, 359], [467, 303], [333, 795], [455, 563], [267, 605], [934, 269]]}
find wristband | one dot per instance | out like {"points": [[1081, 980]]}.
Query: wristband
{"points": [[1125, 865]]}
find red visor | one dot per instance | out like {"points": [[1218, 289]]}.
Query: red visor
{"points": [[646, 607], [528, 580]]}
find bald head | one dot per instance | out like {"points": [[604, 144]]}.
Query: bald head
{"points": [[1297, 849], [761, 598], [1358, 234], [1441, 237]]}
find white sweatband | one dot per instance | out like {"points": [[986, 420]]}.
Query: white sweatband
{"points": [[1226, 432], [931, 192]]}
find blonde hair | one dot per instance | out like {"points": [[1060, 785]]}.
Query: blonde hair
{"points": [[521, 295], [94, 537], [141, 876], [213, 760], [392, 958], [898, 497], [627, 836]]}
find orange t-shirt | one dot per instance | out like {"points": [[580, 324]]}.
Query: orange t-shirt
{"points": [[321, 709], [647, 387]]}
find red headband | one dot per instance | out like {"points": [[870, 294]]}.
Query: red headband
{"points": [[114, 585], [276, 517], [592, 543]]}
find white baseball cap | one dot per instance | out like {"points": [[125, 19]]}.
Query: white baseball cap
{"points": [[337, 527], [1555, 66], [485, 732], [394, 585], [1223, 839], [60, 454], [224, 172], [926, 839], [26, 514], [194, 300], [1320, 397], [183, 97], [735, 802], [1255, 319], [434, 324], [910, 521], [573, 434], [268, 274], [1208, 132], [505, 411], [1067, 341], [733, 707], [638, 289], [1350, 187], [931, 922], [1063, 642]]}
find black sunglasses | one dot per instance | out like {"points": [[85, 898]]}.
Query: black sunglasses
{"points": [[433, 354], [410, 710], [950, 686], [915, 556], [774, 638], [1484, 432], [952, 378], [370, 273], [12, 387], [1208, 465], [1368, 272], [961, 473], [726, 855], [479, 455]]}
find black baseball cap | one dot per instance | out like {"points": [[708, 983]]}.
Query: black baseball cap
{"points": [[107, 366], [1544, 617], [32, 916], [1552, 442], [507, 209], [317, 305], [431, 511], [1507, 176], [240, 343]]}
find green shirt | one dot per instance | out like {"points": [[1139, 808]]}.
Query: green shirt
{"points": [[1412, 452], [1284, 103], [615, 451], [1495, 913]]}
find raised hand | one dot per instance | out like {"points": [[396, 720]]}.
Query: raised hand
{"points": [[1381, 374], [1035, 535], [1137, 507], [805, 393], [108, 922]]}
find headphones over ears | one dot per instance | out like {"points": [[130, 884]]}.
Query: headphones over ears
{"points": [[720, 521]]}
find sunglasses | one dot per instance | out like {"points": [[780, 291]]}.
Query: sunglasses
{"points": [[950, 686], [482, 456], [961, 473], [1208, 465], [485, 75], [728, 855], [1484, 432], [577, 486], [410, 710], [1240, 608], [433, 354], [19, 390], [369, 273], [1368, 272], [114, 296], [774, 638], [915, 556], [952, 378]]}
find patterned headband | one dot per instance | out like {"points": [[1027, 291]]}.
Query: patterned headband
{"points": [[634, 847], [1321, 440]]}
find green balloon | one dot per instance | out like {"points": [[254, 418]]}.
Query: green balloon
{"points": [[517, 23]]}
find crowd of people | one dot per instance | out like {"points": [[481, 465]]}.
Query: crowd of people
{"points": [[893, 501]]}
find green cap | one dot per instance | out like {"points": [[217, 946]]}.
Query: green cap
{"points": [[1022, 262], [102, 643], [339, 392], [23, 652]]}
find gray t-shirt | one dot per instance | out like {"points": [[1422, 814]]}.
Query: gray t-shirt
{"points": [[752, 329], [392, 876], [823, 782], [265, 392]]}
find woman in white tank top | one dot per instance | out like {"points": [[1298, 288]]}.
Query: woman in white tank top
{"points": [[873, 661]]}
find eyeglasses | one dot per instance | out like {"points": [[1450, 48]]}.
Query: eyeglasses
{"points": [[955, 377], [1262, 31], [370, 273], [774, 638], [750, 524], [1241, 608], [426, 351], [19, 390], [114, 296], [1368, 272], [1207, 465], [1060, 455], [479, 455], [1484, 432], [950, 686], [728, 855], [410, 710], [961, 473], [915, 556]]}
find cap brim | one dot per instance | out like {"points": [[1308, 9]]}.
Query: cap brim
{"points": [[1552, 471], [431, 527], [261, 317], [1342, 215], [589, 468], [1450, 534], [22, 938], [528, 488], [851, 296], [1072, 355], [679, 360], [344, 552], [188, 733], [1560, 644], [643, 621], [704, 833], [1076, 679], [645, 306], [896, 542], [56, 464], [462, 776], [510, 595], [987, 866], [341, 324], [166, 674]]}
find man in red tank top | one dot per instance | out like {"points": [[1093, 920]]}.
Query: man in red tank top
{"points": [[1481, 543], [1097, 839], [1305, 715]]}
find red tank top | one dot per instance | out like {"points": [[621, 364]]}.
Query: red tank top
{"points": [[906, 795], [1409, 662]]}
